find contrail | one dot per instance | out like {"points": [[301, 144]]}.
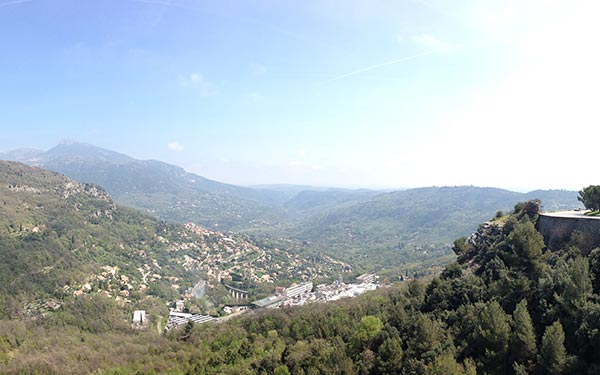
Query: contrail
{"points": [[155, 2], [164, 3], [14, 2], [377, 66]]}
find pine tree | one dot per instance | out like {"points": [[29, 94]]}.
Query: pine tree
{"points": [[494, 337], [389, 356], [594, 260], [522, 344], [553, 355]]}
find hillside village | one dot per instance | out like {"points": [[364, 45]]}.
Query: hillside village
{"points": [[117, 252], [294, 295], [202, 254]]}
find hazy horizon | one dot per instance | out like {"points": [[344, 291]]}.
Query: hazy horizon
{"points": [[276, 184], [323, 93]]}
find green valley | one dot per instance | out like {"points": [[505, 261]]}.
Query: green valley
{"points": [[393, 232], [507, 306], [61, 239]]}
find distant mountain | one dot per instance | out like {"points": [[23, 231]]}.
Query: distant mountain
{"points": [[20, 154], [159, 188], [307, 201], [413, 226], [555, 200], [365, 227], [290, 190]]}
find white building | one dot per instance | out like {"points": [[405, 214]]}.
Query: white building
{"points": [[178, 319], [139, 316], [367, 278], [299, 289]]}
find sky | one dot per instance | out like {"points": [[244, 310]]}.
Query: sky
{"points": [[352, 93]]}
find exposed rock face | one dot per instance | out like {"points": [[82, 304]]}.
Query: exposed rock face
{"points": [[486, 234], [73, 188]]}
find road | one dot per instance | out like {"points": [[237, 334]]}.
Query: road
{"points": [[227, 317], [570, 214]]}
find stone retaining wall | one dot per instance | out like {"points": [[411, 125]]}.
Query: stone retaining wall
{"points": [[559, 230]]}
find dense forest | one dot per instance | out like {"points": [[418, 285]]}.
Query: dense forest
{"points": [[507, 306]]}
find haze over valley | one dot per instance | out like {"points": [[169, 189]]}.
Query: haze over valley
{"points": [[299, 188], [370, 229]]}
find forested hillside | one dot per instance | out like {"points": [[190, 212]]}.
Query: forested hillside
{"points": [[506, 306], [410, 229], [390, 232], [60, 239]]}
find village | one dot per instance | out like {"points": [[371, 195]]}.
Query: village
{"points": [[215, 257], [294, 295]]}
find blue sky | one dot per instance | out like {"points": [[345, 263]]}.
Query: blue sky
{"points": [[338, 93]]}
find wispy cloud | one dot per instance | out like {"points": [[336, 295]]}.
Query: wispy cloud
{"points": [[156, 2], [175, 146], [381, 65], [196, 80], [431, 42], [14, 2], [191, 80]]}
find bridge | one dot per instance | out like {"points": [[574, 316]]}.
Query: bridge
{"points": [[238, 294]]}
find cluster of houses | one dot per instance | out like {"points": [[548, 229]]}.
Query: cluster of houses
{"points": [[297, 294]]}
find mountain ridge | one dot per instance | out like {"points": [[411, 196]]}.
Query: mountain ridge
{"points": [[411, 226], [143, 183]]}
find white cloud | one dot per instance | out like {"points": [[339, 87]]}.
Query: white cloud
{"points": [[431, 42], [15, 2], [175, 146], [192, 80], [196, 77], [197, 82]]}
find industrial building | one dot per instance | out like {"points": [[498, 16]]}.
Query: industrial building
{"points": [[299, 289], [268, 302], [178, 318], [367, 278]]}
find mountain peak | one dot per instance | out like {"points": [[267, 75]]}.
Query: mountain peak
{"points": [[73, 142], [84, 151]]}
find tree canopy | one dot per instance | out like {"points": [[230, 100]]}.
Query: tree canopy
{"points": [[508, 306], [590, 197]]}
